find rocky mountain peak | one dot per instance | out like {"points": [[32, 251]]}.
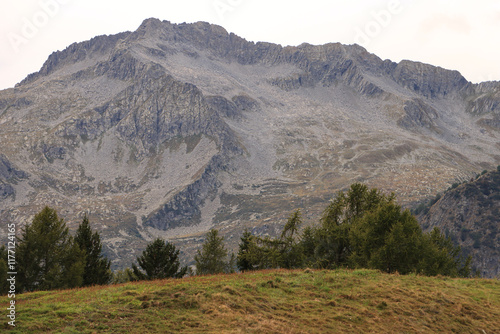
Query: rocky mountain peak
{"points": [[321, 63], [75, 53]]}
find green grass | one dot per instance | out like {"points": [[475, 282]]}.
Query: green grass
{"points": [[278, 301]]}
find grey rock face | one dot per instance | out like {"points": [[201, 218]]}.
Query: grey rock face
{"points": [[174, 129], [6, 191], [429, 81], [417, 113], [486, 99], [9, 175], [76, 52], [8, 172], [184, 208], [470, 215]]}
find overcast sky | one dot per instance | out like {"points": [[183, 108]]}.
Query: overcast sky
{"points": [[460, 34]]}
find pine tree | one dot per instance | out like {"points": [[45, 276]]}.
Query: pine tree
{"points": [[243, 258], [308, 244], [47, 255], [96, 270], [159, 260], [212, 257]]}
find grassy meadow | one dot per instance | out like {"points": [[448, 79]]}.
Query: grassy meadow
{"points": [[274, 301]]}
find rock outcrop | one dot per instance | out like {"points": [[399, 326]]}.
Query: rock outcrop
{"points": [[470, 215]]}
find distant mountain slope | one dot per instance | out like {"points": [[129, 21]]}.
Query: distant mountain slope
{"points": [[470, 214], [176, 128]]}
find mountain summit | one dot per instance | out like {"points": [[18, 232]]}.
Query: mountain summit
{"points": [[177, 128]]}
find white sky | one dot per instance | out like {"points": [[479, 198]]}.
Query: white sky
{"points": [[460, 34]]}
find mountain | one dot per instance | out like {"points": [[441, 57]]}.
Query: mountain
{"points": [[270, 301], [173, 129], [470, 215]]}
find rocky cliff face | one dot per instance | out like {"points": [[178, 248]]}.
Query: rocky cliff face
{"points": [[174, 129], [470, 215]]}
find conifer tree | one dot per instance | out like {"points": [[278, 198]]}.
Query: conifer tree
{"points": [[159, 260], [387, 238], [96, 270], [47, 256], [256, 253], [440, 257], [243, 258], [290, 251], [367, 229], [308, 243], [333, 241], [211, 259]]}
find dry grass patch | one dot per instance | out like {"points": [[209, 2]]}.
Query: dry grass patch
{"points": [[279, 301]]}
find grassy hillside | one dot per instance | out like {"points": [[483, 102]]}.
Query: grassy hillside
{"points": [[278, 301]]}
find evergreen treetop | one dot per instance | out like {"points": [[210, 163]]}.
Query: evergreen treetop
{"points": [[97, 270], [211, 259], [159, 260], [47, 256]]}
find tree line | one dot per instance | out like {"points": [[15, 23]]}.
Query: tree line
{"points": [[48, 257], [360, 228]]}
